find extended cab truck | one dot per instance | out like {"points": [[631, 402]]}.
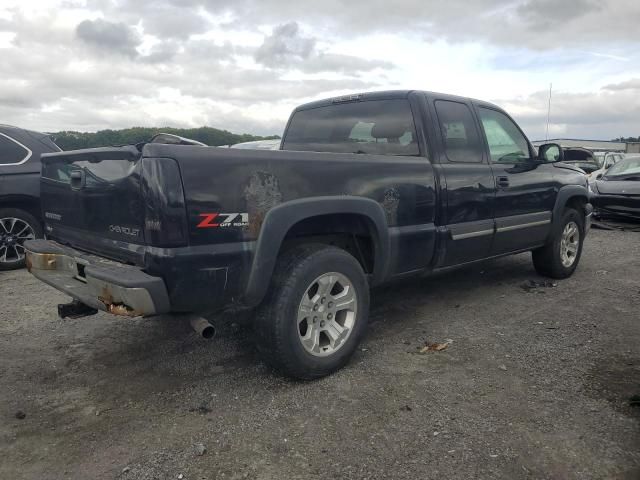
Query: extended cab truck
{"points": [[366, 189], [20, 152]]}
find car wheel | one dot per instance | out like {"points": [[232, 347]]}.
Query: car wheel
{"points": [[560, 257], [16, 226], [315, 313]]}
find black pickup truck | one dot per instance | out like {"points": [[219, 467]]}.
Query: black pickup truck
{"points": [[366, 189]]}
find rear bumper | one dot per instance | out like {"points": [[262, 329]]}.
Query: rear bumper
{"points": [[103, 284]]}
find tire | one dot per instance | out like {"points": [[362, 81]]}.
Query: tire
{"points": [[12, 236], [284, 325], [550, 260]]}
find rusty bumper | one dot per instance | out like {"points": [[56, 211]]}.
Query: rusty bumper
{"points": [[103, 284]]}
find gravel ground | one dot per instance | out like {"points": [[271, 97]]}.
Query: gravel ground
{"points": [[536, 384]]}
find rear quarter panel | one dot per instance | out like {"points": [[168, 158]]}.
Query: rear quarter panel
{"points": [[242, 181], [228, 181]]}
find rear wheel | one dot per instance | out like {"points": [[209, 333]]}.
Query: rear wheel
{"points": [[16, 227], [315, 313], [560, 257]]}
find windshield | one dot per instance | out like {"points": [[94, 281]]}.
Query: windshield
{"points": [[600, 158], [629, 167]]}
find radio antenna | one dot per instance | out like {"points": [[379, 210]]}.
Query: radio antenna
{"points": [[549, 110]]}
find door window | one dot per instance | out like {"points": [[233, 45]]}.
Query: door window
{"points": [[11, 152], [459, 133], [506, 143]]}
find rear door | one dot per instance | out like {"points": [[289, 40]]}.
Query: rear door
{"points": [[468, 187], [526, 190]]}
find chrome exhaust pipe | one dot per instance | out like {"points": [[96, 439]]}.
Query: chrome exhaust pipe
{"points": [[203, 328]]}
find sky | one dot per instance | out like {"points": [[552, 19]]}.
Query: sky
{"points": [[243, 65]]}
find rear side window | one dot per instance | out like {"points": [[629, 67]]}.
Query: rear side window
{"points": [[378, 127], [459, 132], [11, 152]]}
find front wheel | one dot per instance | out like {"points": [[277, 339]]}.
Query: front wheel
{"points": [[16, 227], [560, 257], [315, 313]]}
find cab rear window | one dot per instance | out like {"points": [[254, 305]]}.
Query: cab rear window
{"points": [[378, 127]]}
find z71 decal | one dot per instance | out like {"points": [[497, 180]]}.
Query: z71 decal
{"points": [[223, 220]]}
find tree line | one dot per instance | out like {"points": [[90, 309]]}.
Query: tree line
{"points": [[627, 139], [70, 140]]}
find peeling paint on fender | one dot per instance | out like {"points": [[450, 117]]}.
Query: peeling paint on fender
{"points": [[261, 194]]}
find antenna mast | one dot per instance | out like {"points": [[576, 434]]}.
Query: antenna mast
{"points": [[549, 110]]}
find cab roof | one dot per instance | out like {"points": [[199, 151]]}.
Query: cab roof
{"points": [[390, 95]]}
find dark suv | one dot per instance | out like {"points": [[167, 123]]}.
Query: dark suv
{"points": [[20, 217]]}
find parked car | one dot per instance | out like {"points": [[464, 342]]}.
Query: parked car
{"points": [[617, 192], [581, 158], [605, 161], [259, 145], [366, 189], [20, 217]]}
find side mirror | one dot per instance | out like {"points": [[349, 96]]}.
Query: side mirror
{"points": [[550, 153]]}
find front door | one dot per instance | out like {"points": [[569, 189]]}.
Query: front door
{"points": [[525, 193], [469, 190]]}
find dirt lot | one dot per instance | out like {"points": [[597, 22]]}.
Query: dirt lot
{"points": [[536, 384]]}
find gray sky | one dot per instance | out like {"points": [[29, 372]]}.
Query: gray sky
{"points": [[243, 65]]}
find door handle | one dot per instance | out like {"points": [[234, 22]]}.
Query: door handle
{"points": [[77, 179], [503, 182]]}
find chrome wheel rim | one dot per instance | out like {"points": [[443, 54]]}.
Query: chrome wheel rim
{"points": [[569, 244], [327, 314], [13, 233]]}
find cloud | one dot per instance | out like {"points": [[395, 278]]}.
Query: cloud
{"points": [[539, 24], [243, 65], [171, 22], [286, 45], [603, 115], [6, 25], [633, 84], [540, 15], [109, 36]]}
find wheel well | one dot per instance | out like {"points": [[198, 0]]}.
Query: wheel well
{"points": [[577, 203], [351, 232], [29, 204]]}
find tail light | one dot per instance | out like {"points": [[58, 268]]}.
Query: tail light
{"points": [[165, 222]]}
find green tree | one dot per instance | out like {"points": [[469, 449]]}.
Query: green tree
{"points": [[71, 140]]}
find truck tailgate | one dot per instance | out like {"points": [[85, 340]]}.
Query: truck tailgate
{"points": [[90, 197]]}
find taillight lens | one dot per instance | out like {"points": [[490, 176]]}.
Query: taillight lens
{"points": [[165, 212]]}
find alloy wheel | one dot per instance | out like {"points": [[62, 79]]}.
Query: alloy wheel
{"points": [[569, 244], [327, 314], [13, 233]]}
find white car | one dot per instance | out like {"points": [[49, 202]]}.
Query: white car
{"points": [[605, 160], [259, 145]]}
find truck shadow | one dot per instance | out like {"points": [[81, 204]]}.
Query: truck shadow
{"points": [[169, 348]]}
